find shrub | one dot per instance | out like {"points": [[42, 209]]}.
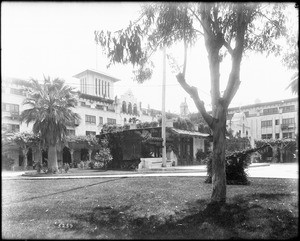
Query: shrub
{"points": [[130, 164], [201, 156], [7, 162], [92, 165], [66, 167], [235, 169]]}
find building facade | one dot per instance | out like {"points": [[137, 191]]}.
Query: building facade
{"points": [[96, 105], [269, 120]]}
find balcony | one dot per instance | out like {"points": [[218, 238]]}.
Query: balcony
{"points": [[288, 126], [12, 115]]}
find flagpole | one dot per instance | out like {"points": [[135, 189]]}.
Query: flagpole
{"points": [[163, 123]]}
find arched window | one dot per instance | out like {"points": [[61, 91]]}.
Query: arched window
{"points": [[135, 109], [129, 108], [124, 107]]}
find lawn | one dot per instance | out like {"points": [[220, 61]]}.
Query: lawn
{"points": [[147, 208]]}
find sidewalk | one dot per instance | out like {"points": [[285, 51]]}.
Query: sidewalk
{"points": [[199, 170]]}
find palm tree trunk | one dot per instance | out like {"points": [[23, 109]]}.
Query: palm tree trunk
{"points": [[52, 159]]}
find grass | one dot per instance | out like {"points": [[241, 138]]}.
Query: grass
{"points": [[147, 208]]}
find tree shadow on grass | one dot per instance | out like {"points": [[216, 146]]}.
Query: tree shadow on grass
{"points": [[200, 220]]}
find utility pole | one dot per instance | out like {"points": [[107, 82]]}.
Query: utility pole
{"points": [[163, 112]]}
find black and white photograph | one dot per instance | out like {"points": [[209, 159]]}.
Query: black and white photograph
{"points": [[149, 120]]}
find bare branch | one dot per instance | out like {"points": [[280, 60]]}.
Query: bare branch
{"points": [[192, 91]]}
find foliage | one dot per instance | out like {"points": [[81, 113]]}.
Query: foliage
{"points": [[237, 144], [201, 156], [236, 163], [24, 140], [234, 28], [50, 110], [197, 119], [169, 23], [103, 155], [89, 141], [146, 124], [130, 164], [7, 162], [51, 104], [288, 148], [290, 59], [183, 124]]}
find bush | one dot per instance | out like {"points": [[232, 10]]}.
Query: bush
{"points": [[235, 169], [92, 165], [66, 167], [7, 162], [130, 164], [201, 156]]}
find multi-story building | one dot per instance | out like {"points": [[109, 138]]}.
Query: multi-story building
{"points": [[269, 120], [96, 104]]}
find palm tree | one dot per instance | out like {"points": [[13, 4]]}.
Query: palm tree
{"points": [[50, 111], [294, 83]]}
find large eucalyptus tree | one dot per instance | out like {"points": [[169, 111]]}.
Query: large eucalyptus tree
{"points": [[226, 28], [50, 110]]}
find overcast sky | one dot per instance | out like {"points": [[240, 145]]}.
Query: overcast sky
{"points": [[57, 39]]}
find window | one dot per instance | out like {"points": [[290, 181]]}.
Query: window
{"points": [[90, 119], [12, 108], [124, 109], [70, 132], [277, 122], [102, 88], [111, 121], [11, 127], [96, 87], [92, 133], [129, 108], [266, 136], [99, 87], [84, 104], [289, 108], [16, 91], [135, 109], [276, 135], [270, 111], [100, 107], [288, 121], [83, 87], [288, 135], [100, 120], [108, 94], [267, 123]]}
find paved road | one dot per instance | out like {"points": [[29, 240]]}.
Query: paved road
{"points": [[286, 170]]}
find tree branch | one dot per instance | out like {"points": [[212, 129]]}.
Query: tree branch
{"points": [[198, 20], [228, 47], [192, 91]]}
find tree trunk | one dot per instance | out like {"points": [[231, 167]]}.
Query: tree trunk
{"points": [[218, 160], [52, 159]]}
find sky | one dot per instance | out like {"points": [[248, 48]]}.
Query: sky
{"points": [[56, 39]]}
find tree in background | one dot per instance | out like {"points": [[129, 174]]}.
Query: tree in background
{"points": [[50, 111], [291, 59], [226, 28]]}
